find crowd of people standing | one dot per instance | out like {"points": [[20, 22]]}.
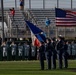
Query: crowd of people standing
{"points": [[11, 50], [53, 50]]}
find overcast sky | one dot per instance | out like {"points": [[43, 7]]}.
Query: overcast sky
{"points": [[39, 3]]}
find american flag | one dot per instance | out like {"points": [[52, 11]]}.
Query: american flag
{"points": [[65, 17]]}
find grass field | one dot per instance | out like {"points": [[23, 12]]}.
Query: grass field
{"points": [[33, 68]]}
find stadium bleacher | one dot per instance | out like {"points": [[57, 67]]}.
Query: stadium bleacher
{"points": [[39, 15], [12, 25]]}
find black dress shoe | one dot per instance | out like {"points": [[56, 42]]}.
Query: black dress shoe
{"points": [[42, 69], [60, 67], [65, 67], [53, 68]]}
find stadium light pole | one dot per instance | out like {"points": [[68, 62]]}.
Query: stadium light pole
{"points": [[71, 4], [29, 4], [16, 4], [2, 11], [57, 3], [43, 4], [17, 31], [23, 4]]}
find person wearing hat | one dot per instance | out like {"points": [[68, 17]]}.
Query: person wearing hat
{"points": [[65, 55], [48, 53], [41, 55], [60, 48], [53, 60]]}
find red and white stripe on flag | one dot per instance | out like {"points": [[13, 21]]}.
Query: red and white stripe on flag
{"points": [[35, 41]]}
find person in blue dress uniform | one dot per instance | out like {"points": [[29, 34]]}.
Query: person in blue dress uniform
{"points": [[60, 48], [48, 53], [65, 55], [41, 55], [54, 53]]}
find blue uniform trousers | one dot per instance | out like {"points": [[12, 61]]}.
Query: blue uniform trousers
{"points": [[65, 60], [41, 58], [53, 60], [59, 55], [48, 59]]}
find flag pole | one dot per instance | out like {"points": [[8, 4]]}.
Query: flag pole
{"points": [[56, 32], [48, 31], [64, 31]]}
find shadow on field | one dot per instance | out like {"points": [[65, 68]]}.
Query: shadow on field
{"points": [[68, 69], [72, 69]]}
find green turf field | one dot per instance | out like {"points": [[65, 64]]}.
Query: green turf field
{"points": [[33, 68]]}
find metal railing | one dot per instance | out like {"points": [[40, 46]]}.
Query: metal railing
{"points": [[31, 18]]}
